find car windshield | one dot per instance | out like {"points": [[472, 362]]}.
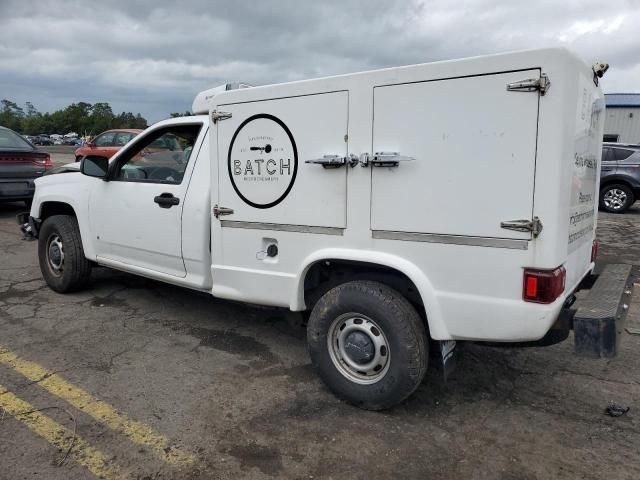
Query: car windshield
{"points": [[10, 140]]}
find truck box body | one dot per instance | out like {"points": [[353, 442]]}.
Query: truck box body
{"points": [[480, 154]]}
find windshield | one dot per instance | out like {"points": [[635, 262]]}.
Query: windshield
{"points": [[10, 140]]}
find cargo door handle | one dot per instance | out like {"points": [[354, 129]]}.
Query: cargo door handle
{"points": [[166, 200], [335, 161], [384, 159]]}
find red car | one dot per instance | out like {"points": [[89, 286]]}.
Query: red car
{"points": [[107, 143]]}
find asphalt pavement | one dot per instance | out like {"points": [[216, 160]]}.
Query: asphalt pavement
{"points": [[132, 378]]}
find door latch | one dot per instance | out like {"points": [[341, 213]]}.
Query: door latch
{"points": [[384, 159], [335, 161], [534, 226], [219, 211]]}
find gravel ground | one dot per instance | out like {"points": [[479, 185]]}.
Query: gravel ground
{"points": [[230, 387]]}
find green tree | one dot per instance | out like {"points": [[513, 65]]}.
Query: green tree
{"points": [[11, 115], [82, 117]]}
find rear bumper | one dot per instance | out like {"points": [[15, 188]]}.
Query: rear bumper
{"points": [[17, 188], [598, 320]]}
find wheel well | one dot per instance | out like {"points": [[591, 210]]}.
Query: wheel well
{"points": [[49, 209], [323, 275], [616, 181]]}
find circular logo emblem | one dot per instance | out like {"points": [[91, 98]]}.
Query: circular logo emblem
{"points": [[262, 161]]}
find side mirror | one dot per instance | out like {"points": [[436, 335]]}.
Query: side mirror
{"points": [[90, 145], [94, 167]]}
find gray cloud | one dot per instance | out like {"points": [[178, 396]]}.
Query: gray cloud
{"points": [[154, 56]]}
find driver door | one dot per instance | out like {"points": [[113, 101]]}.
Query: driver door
{"points": [[137, 213]]}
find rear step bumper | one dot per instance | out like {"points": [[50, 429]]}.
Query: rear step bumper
{"points": [[599, 319]]}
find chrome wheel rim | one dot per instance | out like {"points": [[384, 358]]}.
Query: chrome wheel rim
{"points": [[55, 254], [359, 348], [615, 198]]}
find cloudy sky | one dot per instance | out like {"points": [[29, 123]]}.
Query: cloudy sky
{"points": [[154, 56]]}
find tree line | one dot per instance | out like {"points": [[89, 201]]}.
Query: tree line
{"points": [[83, 118]]}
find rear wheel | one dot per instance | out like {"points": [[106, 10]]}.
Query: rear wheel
{"points": [[368, 344], [616, 198], [62, 261]]}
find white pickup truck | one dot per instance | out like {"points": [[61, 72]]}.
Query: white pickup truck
{"points": [[405, 208]]}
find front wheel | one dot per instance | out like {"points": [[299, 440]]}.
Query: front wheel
{"points": [[368, 344], [616, 198], [61, 256]]}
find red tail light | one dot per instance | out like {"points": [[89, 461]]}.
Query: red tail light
{"points": [[44, 161], [543, 286], [594, 250]]}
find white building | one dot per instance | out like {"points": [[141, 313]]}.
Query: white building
{"points": [[622, 119]]}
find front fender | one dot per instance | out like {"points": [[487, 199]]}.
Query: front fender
{"points": [[437, 326], [71, 189]]}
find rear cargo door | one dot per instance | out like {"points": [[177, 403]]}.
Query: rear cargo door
{"points": [[473, 144], [263, 174]]}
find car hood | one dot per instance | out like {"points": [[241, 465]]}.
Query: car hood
{"points": [[68, 168]]}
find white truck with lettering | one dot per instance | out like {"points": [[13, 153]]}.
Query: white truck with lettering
{"points": [[405, 209]]}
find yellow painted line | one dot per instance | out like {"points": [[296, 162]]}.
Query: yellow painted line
{"points": [[60, 436], [104, 413]]}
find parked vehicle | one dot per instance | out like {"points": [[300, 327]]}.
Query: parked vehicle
{"points": [[619, 176], [42, 140], [335, 196], [20, 164], [107, 143]]}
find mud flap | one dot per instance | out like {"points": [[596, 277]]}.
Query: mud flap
{"points": [[598, 322], [444, 355]]}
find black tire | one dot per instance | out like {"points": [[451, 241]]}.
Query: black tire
{"points": [[384, 311], [60, 233], [616, 198]]}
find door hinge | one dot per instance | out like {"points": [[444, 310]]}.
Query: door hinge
{"points": [[541, 84], [534, 226], [216, 116], [219, 211]]}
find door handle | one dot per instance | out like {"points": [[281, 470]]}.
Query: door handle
{"points": [[386, 159], [334, 161], [166, 200]]}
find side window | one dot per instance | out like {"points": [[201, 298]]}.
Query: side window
{"points": [[161, 157], [606, 154], [105, 140], [122, 138], [621, 153]]}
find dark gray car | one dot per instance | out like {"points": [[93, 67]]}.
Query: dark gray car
{"points": [[619, 176], [20, 164]]}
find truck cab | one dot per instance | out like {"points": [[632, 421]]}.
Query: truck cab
{"points": [[404, 209]]}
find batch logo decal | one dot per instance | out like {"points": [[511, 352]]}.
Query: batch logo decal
{"points": [[262, 161]]}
